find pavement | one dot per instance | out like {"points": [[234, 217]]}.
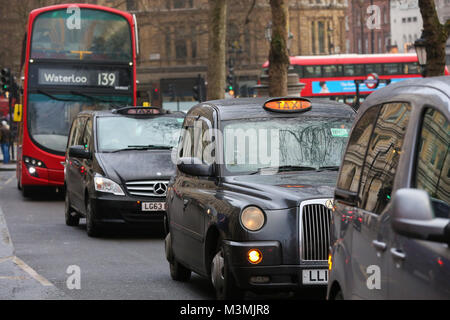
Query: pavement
{"points": [[11, 166], [18, 281]]}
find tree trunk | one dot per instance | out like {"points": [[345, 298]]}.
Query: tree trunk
{"points": [[216, 55], [278, 54], [435, 35]]}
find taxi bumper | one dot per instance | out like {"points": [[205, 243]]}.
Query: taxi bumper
{"points": [[270, 274]]}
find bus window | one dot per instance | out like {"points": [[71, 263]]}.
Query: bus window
{"points": [[392, 68], [351, 70], [298, 70], [411, 68], [312, 72], [332, 71], [374, 68], [100, 36]]}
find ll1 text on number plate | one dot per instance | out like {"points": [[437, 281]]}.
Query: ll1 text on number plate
{"points": [[153, 206], [315, 276]]}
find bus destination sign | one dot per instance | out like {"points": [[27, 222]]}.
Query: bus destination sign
{"points": [[84, 78]]}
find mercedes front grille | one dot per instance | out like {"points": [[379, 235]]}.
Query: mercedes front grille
{"points": [[147, 188]]}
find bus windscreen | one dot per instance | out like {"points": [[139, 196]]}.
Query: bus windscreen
{"points": [[88, 35]]}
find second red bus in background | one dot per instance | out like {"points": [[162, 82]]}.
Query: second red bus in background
{"points": [[333, 76]]}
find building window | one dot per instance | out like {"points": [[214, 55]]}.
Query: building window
{"points": [[313, 37], [182, 4], [321, 34]]}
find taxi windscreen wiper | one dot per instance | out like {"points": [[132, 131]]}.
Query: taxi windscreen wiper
{"points": [[330, 168], [143, 147]]}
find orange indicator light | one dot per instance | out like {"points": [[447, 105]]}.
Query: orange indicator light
{"points": [[254, 256]]}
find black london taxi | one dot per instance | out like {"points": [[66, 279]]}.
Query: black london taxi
{"points": [[118, 165], [390, 234], [249, 206]]}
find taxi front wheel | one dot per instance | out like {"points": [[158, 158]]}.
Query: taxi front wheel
{"points": [[222, 279]]}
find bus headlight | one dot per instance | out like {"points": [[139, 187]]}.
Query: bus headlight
{"points": [[106, 185], [253, 218]]}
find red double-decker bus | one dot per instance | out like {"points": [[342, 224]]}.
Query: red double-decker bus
{"points": [[333, 76], [76, 57]]}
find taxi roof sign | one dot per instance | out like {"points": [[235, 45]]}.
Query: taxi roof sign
{"points": [[288, 104], [140, 111]]}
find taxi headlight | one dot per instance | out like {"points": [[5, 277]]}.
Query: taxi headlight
{"points": [[253, 218], [106, 185]]}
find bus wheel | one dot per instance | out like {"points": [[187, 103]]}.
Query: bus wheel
{"points": [[26, 192]]}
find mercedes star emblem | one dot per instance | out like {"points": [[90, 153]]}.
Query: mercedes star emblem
{"points": [[160, 188]]}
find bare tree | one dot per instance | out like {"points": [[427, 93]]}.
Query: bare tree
{"points": [[278, 54], [435, 35], [217, 53]]}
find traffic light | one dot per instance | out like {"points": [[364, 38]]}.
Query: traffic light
{"points": [[230, 82], [199, 89], [196, 92], [5, 80]]}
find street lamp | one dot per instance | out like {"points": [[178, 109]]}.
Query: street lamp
{"points": [[420, 45]]}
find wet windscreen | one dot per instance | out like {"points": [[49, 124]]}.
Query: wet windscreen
{"points": [[122, 133], [272, 143], [50, 116], [81, 34]]}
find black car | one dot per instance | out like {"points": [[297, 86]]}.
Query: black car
{"points": [[250, 204], [391, 231], [118, 165]]}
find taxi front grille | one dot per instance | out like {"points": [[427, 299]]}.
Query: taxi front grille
{"points": [[147, 188], [315, 231]]}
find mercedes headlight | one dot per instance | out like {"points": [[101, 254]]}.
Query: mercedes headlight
{"points": [[106, 185], [253, 218]]}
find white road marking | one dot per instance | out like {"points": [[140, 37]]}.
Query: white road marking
{"points": [[31, 272]]}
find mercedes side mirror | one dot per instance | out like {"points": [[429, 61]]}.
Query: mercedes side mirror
{"points": [[195, 167], [414, 217], [79, 152]]}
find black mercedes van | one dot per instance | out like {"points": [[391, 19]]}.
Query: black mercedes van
{"points": [[118, 165]]}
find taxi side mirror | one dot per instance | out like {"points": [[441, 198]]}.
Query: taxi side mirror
{"points": [[79, 152], [195, 167], [414, 217]]}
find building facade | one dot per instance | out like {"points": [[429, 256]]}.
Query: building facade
{"points": [[368, 26], [406, 25], [174, 40]]}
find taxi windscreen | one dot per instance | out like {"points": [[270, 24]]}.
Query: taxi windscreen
{"points": [[131, 133], [304, 142]]}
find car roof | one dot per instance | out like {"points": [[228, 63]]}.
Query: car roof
{"points": [[245, 108], [432, 90]]}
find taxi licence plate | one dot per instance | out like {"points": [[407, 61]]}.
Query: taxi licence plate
{"points": [[153, 206], [315, 276]]}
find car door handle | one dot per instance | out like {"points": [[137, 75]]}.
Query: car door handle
{"points": [[380, 246], [398, 254]]}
